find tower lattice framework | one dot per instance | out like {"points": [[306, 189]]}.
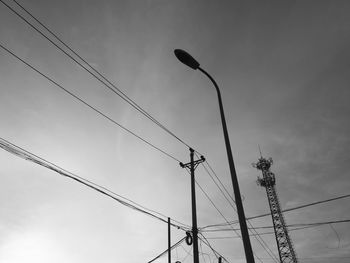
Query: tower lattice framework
{"points": [[268, 180]]}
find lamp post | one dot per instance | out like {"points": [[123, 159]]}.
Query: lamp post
{"points": [[189, 61]]}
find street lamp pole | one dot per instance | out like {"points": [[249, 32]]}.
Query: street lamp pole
{"points": [[188, 60]]}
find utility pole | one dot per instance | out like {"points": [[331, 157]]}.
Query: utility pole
{"points": [[169, 242], [192, 165]]}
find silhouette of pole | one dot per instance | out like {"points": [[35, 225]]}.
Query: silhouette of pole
{"points": [[194, 212], [192, 165], [189, 61], [169, 241]]}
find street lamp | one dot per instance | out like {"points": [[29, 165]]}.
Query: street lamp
{"points": [[189, 61]]}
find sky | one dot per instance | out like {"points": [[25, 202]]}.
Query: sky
{"points": [[283, 70]]}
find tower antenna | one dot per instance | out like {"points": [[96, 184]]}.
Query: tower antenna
{"points": [[268, 181], [260, 151]]}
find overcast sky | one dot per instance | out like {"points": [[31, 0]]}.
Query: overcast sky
{"points": [[283, 70]]}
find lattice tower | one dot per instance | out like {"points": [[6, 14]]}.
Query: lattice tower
{"points": [[284, 243]]}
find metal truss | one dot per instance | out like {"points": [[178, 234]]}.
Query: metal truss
{"points": [[284, 243]]}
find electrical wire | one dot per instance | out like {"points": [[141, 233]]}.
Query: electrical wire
{"points": [[285, 210], [217, 209], [217, 177], [221, 191], [166, 251], [336, 233], [211, 201], [270, 253], [120, 94], [258, 238], [201, 251], [187, 252], [314, 258], [206, 242], [70, 93], [26, 155], [86, 104], [298, 226], [90, 69], [261, 233]]}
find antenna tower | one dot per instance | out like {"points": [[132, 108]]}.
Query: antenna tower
{"points": [[284, 243]]}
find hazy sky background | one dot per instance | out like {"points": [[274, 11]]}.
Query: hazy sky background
{"points": [[283, 70]]}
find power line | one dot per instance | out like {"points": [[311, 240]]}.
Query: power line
{"points": [[166, 251], [206, 242], [24, 154], [99, 112], [266, 248], [216, 176], [296, 226], [86, 104], [211, 201], [224, 195], [124, 97], [100, 77], [258, 238], [285, 210], [261, 233], [119, 92], [217, 209], [188, 253], [312, 258], [202, 253]]}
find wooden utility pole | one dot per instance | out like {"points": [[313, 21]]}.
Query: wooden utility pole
{"points": [[192, 165]]}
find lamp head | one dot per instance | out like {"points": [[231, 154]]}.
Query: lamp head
{"points": [[186, 58]]}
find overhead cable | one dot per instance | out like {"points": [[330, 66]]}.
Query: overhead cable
{"points": [[188, 253], [207, 243], [222, 185], [166, 251], [24, 154], [88, 67], [285, 210], [261, 233], [298, 225], [258, 238], [217, 209], [87, 104]]}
